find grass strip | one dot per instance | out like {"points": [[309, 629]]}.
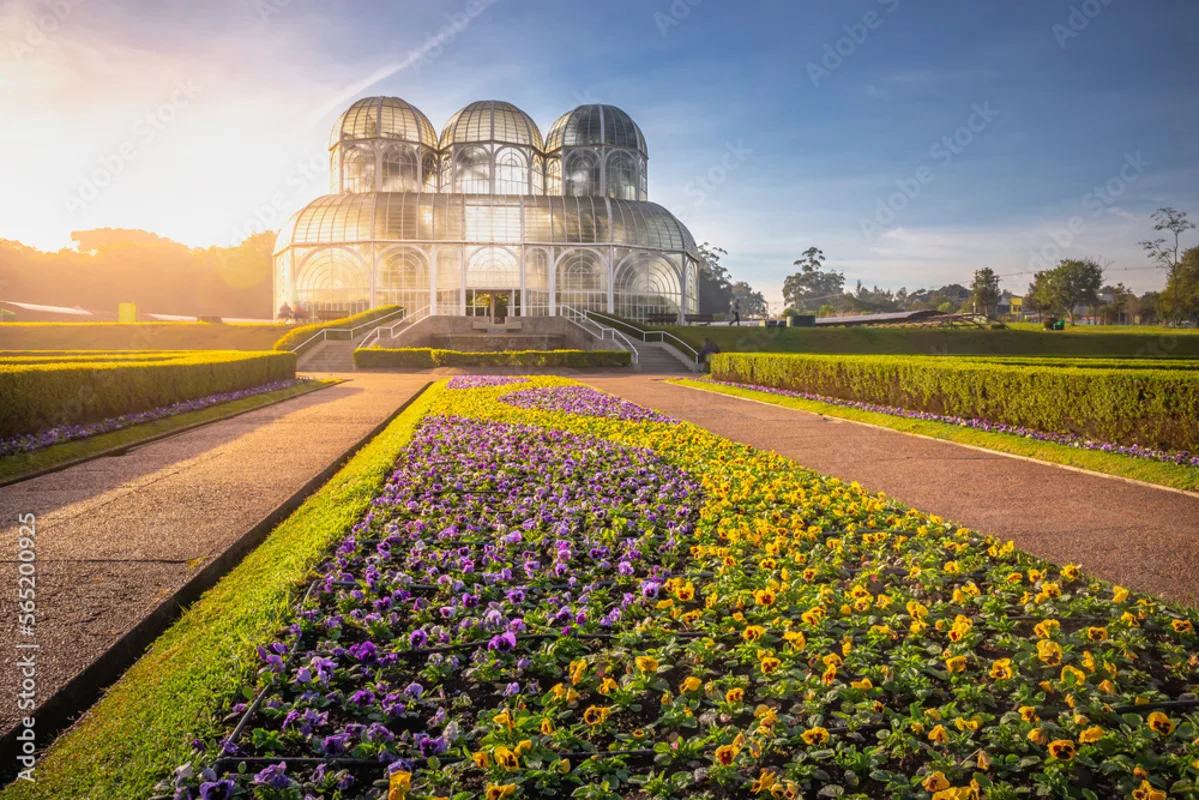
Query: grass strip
{"points": [[1174, 476], [144, 726], [21, 466]]}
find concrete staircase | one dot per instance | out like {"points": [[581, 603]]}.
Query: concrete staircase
{"points": [[328, 356], [655, 359]]}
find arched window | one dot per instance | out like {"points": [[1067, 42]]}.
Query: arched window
{"points": [[401, 170], [472, 171], [582, 281], [333, 282], [335, 171], [538, 175], [553, 176], [492, 268], [582, 174], [402, 279], [622, 176], [511, 172], [646, 284], [429, 173], [358, 170]]}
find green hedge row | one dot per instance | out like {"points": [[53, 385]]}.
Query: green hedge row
{"points": [[1150, 407], [34, 397], [427, 358], [297, 336]]}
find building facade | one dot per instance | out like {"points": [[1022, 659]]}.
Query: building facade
{"points": [[487, 209]]}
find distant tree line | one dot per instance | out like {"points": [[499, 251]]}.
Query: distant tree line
{"points": [[109, 266]]}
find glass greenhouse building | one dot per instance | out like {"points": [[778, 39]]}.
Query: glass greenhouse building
{"points": [[487, 208]]}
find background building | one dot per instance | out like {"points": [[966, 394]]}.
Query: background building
{"points": [[487, 208]]}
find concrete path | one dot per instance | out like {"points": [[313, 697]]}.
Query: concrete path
{"points": [[117, 536], [1133, 534]]}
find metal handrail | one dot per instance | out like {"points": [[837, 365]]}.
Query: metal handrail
{"points": [[409, 319], [662, 335], [604, 332], [323, 334]]}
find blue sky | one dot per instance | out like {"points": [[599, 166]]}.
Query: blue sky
{"points": [[759, 139]]}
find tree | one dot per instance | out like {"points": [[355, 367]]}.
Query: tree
{"points": [[1167, 257], [715, 288], [984, 291], [753, 304], [1118, 311], [1072, 283], [812, 285], [1180, 300]]}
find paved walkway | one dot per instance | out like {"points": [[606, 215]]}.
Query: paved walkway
{"points": [[1135, 535], [116, 536]]}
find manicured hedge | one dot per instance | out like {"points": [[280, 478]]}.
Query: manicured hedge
{"points": [[297, 336], [34, 397], [1150, 407], [427, 358]]}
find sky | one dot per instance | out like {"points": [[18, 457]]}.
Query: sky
{"points": [[913, 142]]}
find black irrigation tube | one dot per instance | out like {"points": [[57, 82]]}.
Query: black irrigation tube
{"points": [[253, 761]]}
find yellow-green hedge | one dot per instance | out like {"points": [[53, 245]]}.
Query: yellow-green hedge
{"points": [[1150, 407], [34, 397], [426, 358], [297, 336]]}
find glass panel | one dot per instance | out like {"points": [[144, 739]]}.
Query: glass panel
{"points": [[581, 281], [646, 284], [473, 171], [622, 176], [492, 268], [333, 283], [358, 169], [511, 172], [537, 283], [402, 279], [582, 173], [401, 171]]}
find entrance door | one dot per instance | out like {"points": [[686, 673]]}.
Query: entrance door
{"points": [[493, 305]]}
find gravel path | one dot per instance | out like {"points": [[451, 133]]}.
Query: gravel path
{"points": [[117, 536], [1133, 534]]}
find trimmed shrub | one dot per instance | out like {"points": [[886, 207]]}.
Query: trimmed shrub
{"points": [[426, 358], [297, 336], [1122, 404], [36, 396]]}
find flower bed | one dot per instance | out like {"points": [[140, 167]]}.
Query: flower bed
{"points": [[29, 443], [583, 401], [483, 381], [1165, 456], [544, 603]]}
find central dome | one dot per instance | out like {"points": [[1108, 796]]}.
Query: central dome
{"points": [[491, 121]]}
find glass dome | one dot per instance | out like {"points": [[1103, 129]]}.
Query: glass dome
{"points": [[595, 125], [383, 118], [492, 121]]}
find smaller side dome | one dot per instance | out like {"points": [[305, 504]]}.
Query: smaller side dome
{"points": [[383, 118], [595, 125], [492, 121]]}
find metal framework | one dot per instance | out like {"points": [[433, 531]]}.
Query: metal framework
{"points": [[417, 219]]}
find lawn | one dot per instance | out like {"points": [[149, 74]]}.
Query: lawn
{"points": [[1175, 476], [1160, 343], [138, 336], [21, 465], [557, 593]]}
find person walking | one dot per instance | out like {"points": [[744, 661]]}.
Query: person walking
{"points": [[736, 312], [709, 349]]}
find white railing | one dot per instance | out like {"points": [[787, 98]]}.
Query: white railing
{"points": [[601, 332], [651, 336], [323, 335], [408, 320]]}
